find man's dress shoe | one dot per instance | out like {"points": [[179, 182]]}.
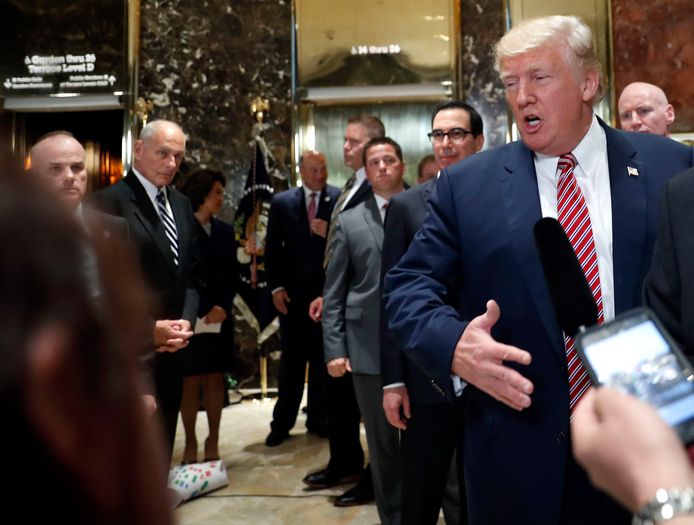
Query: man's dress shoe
{"points": [[275, 438], [324, 479], [360, 494]]}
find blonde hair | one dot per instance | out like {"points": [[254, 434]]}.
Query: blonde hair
{"points": [[570, 32]]}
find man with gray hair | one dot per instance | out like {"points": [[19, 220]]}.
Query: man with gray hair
{"points": [[644, 108], [522, 378], [163, 234]]}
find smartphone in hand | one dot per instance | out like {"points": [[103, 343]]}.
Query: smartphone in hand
{"points": [[635, 354]]}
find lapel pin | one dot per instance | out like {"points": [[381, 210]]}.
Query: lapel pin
{"points": [[633, 172]]}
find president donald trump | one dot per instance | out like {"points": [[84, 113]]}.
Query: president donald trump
{"points": [[503, 340]]}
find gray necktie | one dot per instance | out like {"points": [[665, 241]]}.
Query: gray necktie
{"points": [[344, 192]]}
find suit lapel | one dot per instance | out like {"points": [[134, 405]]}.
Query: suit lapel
{"points": [[299, 204], [363, 188], [522, 202], [629, 220], [323, 211], [426, 193], [178, 208], [145, 213], [373, 219]]}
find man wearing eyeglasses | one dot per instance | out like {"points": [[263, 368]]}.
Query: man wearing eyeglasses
{"points": [[411, 403], [456, 132]]}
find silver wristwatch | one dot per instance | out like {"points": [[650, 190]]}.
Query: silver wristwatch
{"points": [[667, 504]]}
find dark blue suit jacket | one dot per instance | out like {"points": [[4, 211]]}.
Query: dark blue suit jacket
{"points": [[406, 212], [478, 237], [294, 257]]}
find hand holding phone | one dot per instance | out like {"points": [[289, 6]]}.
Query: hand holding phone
{"points": [[634, 354]]}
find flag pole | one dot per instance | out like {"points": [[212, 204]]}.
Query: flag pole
{"points": [[259, 107]]}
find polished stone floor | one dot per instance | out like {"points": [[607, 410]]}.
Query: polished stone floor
{"points": [[265, 483]]}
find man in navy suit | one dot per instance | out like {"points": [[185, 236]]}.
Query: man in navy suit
{"points": [[503, 339], [163, 232], [427, 419], [294, 249]]}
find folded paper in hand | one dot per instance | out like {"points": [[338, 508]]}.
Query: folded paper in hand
{"points": [[201, 327]]}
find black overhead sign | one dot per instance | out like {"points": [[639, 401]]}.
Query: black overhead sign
{"points": [[50, 47]]}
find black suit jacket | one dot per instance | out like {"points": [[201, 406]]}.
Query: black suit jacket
{"points": [[219, 268], [406, 212], [104, 226], [669, 287], [175, 287], [293, 256], [362, 193]]}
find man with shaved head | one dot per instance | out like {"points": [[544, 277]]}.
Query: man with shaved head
{"points": [[58, 159], [644, 108]]}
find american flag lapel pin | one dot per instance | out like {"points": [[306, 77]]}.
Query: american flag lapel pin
{"points": [[633, 172]]}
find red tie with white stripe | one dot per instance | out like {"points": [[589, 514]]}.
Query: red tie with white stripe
{"points": [[572, 213]]}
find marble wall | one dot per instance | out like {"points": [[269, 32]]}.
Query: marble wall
{"points": [[653, 43], [201, 62], [482, 24]]}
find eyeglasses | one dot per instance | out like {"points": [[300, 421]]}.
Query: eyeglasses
{"points": [[454, 135]]}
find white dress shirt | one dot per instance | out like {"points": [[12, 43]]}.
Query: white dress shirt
{"points": [[382, 206], [360, 175], [593, 177], [307, 195], [152, 191]]}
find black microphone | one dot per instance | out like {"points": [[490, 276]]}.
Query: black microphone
{"points": [[573, 301]]}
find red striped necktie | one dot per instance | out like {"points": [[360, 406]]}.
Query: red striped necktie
{"points": [[572, 213]]}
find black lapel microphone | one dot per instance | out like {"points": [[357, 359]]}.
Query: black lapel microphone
{"points": [[573, 301]]}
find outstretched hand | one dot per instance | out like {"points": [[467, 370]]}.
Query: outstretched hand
{"points": [[479, 360]]}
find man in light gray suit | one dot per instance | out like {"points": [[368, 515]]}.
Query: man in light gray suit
{"points": [[351, 299]]}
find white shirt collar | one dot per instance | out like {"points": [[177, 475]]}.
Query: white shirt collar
{"points": [[380, 200], [150, 188], [307, 196], [308, 192], [360, 175], [588, 152]]}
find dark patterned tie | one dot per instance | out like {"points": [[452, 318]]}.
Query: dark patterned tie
{"points": [[573, 215], [169, 224], [344, 192]]}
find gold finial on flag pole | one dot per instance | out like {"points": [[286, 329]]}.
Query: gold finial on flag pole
{"points": [[143, 108], [259, 108]]}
